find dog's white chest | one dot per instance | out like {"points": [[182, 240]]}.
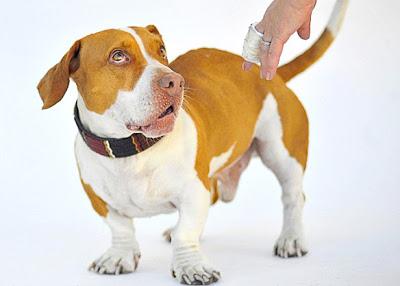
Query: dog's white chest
{"points": [[137, 192], [145, 184]]}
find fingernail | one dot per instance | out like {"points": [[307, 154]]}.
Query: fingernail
{"points": [[268, 76]]}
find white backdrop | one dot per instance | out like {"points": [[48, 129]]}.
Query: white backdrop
{"points": [[49, 232]]}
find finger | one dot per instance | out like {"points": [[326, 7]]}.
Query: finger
{"points": [[246, 65], [270, 58], [260, 27], [304, 30]]}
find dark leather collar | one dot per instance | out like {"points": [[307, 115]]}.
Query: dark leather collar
{"points": [[113, 147]]}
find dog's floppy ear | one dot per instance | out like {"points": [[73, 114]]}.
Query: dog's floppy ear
{"points": [[54, 84], [153, 29]]}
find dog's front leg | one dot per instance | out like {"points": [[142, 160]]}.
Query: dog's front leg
{"points": [[123, 255], [189, 266]]}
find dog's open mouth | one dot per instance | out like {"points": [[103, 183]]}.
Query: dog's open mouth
{"points": [[161, 125], [169, 110]]}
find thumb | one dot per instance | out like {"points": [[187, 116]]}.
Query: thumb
{"points": [[304, 30]]}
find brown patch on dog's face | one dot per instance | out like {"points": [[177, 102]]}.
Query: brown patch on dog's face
{"points": [[99, 77], [153, 42]]}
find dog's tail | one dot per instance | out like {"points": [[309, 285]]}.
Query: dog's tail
{"points": [[309, 57]]}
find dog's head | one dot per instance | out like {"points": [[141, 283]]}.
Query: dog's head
{"points": [[121, 75]]}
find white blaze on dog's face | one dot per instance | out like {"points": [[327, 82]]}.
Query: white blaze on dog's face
{"points": [[123, 80]]}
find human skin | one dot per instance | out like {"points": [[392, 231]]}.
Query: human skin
{"points": [[281, 19]]}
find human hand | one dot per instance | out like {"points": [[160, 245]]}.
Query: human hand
{"points": [[282, 19]]}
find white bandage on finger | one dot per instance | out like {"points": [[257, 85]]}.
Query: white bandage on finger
{"points": [[251, 46]]}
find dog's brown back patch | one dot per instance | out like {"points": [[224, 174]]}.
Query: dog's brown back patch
{"points": [[225, 103]]}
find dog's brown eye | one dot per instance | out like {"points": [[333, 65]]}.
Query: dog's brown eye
{"points": [[119, 57], [163, 52]]}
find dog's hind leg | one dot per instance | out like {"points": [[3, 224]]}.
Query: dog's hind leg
{"points": [[282, 142]]}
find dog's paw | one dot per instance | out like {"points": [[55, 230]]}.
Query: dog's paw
{"points": [[199, 274], [290, 246], [190, 268], [116, 261]]}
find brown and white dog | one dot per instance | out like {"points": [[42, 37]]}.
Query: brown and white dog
{"points": [[147, 145]]}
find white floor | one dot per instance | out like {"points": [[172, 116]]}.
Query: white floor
{"points": [[49, 233]]}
